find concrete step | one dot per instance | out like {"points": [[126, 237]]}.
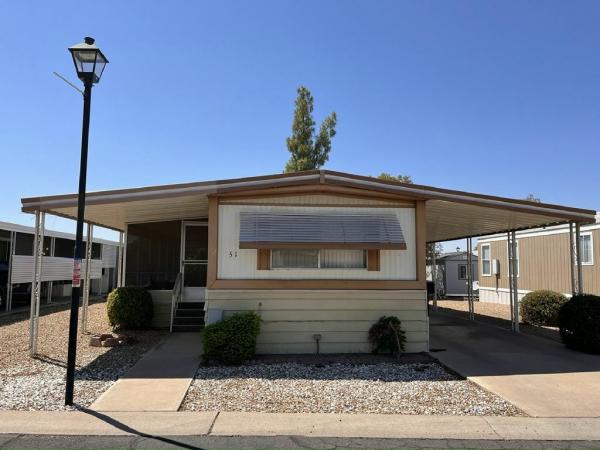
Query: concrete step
{"points": [[190, 305], [187, 328], [189, 312], [189, 321]]}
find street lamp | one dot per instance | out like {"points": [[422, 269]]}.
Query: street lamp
{"points": [[89, 63]]}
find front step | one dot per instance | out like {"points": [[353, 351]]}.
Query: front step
{"points": [[189, 316]]}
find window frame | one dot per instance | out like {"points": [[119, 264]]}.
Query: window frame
{"points": [[591, 235], [365, 261], [460, 266], [483, 273]]}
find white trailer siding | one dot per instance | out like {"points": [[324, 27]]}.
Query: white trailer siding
{"points": [[236, 263], [53, 269]]}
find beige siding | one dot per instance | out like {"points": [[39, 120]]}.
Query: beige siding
{"points": [[544, 263], [317, 199], [236, 263], [290, 318]]}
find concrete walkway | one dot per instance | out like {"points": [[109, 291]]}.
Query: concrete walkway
{"points": [[159, 381], [93, 423], [540, 376]]}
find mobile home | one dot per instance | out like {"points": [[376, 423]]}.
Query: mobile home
{"points": [[543, 262], [16, 265], [318, 254]]}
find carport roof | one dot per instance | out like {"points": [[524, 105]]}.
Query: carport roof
{"points": [[450, 214]]}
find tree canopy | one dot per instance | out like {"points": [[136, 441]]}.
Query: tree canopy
{"points": [[401, 178], [309, 150]]}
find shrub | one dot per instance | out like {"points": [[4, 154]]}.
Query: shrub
{"points": [[130, 308], [232, 340], [541, 307], [387, 336], [579, 323]]}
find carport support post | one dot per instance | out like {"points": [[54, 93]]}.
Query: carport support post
{"points": [[36, 281], [86, 281], [470, 279], [515, 281], [50, 283], [120, 261], [572, 257], [510, 279], [434, 276], [579, 268]]}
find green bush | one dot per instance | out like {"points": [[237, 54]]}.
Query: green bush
{"points": [[579, 323], [541, 307], [130, 308], [387, 336], [232, 340]]}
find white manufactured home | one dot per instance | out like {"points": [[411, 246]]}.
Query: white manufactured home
{"points": [[17, 265], [318, 254]]}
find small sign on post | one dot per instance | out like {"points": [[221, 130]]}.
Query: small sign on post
{"points": [[77, 272]]}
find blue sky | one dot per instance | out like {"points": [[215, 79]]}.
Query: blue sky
{"points": [[498, 97]]}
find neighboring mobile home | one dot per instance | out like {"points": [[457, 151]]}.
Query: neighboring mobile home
{"points": [[543, 262], [453, 273], [16, 265], [318, 254]]}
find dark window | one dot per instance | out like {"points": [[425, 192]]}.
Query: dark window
{"points": [[5, 234], [153, 254], [96, 250], [65, 248], [47, 245], [24, 244]]}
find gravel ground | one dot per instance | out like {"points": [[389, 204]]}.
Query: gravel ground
{"points": [[485, 309], [389, 388], [38, 384]]}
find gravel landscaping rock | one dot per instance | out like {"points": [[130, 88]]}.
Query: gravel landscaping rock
{"points": [[38, 384], [389, 388]]}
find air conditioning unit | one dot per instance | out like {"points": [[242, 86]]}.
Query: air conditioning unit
{"points": [[495, 267]]}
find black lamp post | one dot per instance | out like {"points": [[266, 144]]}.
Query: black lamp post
{"points": [[89, 63]]}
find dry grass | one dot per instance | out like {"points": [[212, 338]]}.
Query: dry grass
{"points": [[38, 383], [495, 310]]}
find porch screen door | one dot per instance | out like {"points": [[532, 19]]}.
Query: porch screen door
{"points": [[194, 260]]}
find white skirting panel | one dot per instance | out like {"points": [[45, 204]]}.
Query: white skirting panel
{"points": [[502, 296]]}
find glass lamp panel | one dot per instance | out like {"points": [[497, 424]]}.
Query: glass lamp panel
{"points": [[85, 60], [100, 64]]}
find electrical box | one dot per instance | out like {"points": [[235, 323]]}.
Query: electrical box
{"points": [[496, 267]]}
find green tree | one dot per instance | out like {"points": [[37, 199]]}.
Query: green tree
{"points": [[309, 150], [533, 198], [402, 178], [431, 247]]}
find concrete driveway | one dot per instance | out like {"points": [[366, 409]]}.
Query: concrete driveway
{"points": [[538, 375]]}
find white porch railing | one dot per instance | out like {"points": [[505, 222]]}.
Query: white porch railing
{"points": [[176, 297]]}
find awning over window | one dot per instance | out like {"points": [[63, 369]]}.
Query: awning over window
{"points": [[288, 230]]}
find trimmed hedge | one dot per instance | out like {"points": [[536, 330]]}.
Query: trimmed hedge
{"points": [[579, 323], [541, 307], [130, 308], [386, 335], [232, 340]]}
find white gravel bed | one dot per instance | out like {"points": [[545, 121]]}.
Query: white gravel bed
{"points": [[388, 388], [39, 383]]}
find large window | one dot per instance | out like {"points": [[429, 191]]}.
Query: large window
{"points": [[318, 259], [587, 249], [64, 248], [152, 258], [486, 260]]}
